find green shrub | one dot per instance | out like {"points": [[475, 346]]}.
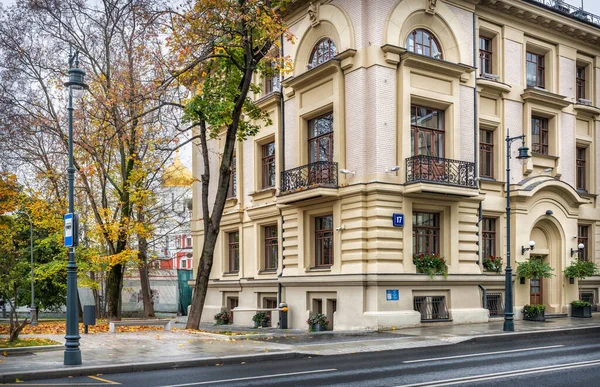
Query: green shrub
{"points": [[533, 310], [580, 304], [260, 317], [319, 319], [492, 264], [430, 264], [222, 318], [534, 268]]}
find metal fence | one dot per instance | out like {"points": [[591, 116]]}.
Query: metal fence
{"points": [[568, 10], [495, 304], [440, 170], [318, 174], [432, 308]]}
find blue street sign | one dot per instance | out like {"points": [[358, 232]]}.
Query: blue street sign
{"points": [[392, 295], [398, 220], [69, 225]]}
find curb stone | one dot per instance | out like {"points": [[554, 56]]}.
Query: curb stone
{"points": [[38, 348], [540, 333], [149, 366]]}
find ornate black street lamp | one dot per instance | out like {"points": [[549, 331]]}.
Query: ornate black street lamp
{"points": [[76, 87], [509, 324]]}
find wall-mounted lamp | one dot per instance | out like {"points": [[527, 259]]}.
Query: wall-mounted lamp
{"points": [[579, 247], [347, 172], [395, 168], [524, 249]]}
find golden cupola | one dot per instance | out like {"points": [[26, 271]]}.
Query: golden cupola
{"points": [[177, 175]]}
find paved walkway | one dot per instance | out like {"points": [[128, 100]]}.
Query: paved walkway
{"points": [[126, 351]]}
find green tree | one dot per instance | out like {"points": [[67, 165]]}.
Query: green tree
{"points": [[219, 46]]}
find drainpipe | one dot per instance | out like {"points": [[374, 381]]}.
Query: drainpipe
{"points": [[475, 116], [282, 163], [484, 290]]}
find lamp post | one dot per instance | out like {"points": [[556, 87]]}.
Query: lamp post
{"points": [[76, 86], [32, 309], [509, 324]]}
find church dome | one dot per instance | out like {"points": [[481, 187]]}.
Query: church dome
{"points": [[177, 175]]}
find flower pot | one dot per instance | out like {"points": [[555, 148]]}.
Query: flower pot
{"points": [[319, 328], [581, 311], [255, 324], [537, 317], [264, 324]]}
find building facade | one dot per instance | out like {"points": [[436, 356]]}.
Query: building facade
{"points": [[402, 107]]}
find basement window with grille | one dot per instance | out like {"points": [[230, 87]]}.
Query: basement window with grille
{"points": [[495, 304], [432, 308]]}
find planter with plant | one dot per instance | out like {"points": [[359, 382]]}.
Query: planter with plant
{"points": [[493, 264], [430, 264], [318, 322], [222, 318], [530, 269], [534, 312], [581, 269], [261, 319]]}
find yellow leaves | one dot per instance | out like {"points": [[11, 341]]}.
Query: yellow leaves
{"points": [[9, 191]]}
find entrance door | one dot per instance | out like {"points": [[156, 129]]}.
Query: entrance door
{"points": [[535, 291]]}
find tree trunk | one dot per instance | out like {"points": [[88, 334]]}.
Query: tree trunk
{"points": [[143, 268], [113, 292], [14, 327], [202, 277]]}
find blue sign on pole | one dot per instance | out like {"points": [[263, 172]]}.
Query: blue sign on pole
{"points": [[69, 226], [398, 220], [392, 295]]}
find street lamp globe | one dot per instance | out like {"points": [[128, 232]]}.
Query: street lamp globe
{"points": [[76, 82], [523, 154]]}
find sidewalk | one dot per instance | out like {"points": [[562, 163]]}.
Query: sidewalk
{"points": [[126, 352]]}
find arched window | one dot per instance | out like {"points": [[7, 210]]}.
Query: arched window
{"points": [[324, 50], [422, 42]]}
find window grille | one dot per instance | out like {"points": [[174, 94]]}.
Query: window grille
{"points": [[432, 308]]}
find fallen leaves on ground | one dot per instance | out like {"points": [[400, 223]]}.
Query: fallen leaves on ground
{"points": [[19, 343], [59, 328], [227, 333]]}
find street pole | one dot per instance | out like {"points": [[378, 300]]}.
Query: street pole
{"points": [[72, 351], [509, 324]]}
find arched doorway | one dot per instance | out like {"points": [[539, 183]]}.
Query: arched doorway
{"points": [[548, 247]]}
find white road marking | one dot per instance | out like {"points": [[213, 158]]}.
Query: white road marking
{"points": [[252, 377], [503, 375], [480, 354]]}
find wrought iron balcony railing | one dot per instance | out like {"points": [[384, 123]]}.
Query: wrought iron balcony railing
{"points": [[317, 174], [439, 170], [569, 10]]}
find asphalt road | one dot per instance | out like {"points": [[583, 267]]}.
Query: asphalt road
{"points": [[563, 360]]}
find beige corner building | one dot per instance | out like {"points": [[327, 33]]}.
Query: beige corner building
{"points": [[398, 111]]}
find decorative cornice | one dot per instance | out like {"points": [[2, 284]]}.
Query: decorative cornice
{"points": [[456, 70], [488, 86], [545, 97], [308, 77], [533, 13], [586, 109]]}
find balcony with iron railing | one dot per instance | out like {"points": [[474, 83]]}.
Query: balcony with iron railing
{"points": [[440, 171], [320, 174], [568, 10]]}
